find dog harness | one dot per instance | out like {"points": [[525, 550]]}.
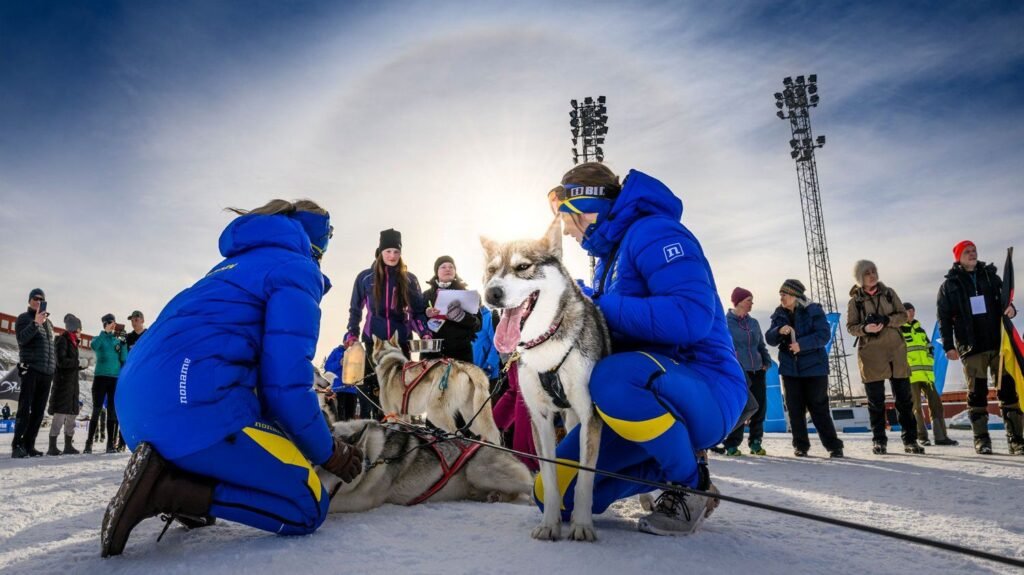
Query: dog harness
{"points": [[465, 452], [420, 369]]}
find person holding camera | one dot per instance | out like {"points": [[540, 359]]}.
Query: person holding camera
{"points": [[36, 364], [111, 353], [874, 316], [801, 332]]}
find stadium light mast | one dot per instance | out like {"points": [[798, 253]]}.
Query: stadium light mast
{"points": [[588, 124], [794, 103]]}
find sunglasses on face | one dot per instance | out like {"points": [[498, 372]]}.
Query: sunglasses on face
{"points": [[37, 298]]}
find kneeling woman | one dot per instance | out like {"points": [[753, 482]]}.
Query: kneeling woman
{"points": [[673, 385], [217, 399]]}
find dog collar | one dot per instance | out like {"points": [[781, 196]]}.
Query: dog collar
{"points": [[542, 337]]}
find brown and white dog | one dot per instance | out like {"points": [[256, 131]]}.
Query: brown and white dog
{"points": [[558, 335], [406, 388]]}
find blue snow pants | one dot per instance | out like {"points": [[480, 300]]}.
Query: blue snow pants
{"points": [[264, 481], [657, 413]]}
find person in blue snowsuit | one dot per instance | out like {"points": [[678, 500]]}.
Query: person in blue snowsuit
{"points": [[344, 395], [217, 401], [672, 386]]}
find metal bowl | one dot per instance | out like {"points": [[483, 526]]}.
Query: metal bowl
{"points": [[425, 345]]}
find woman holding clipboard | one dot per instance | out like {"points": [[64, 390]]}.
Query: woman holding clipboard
{"points": [[454, 325]]}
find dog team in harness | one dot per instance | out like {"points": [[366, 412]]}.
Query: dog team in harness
{"points": [[218, 405]]}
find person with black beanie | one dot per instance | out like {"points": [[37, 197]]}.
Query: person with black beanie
{"points": [[394, 306], [36, 364], [457, 329]]}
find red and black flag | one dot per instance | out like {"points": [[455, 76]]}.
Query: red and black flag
{"points": [[1011, 349]]}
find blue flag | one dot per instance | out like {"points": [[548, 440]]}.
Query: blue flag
{"points": [[833, 326], [941, 362]]}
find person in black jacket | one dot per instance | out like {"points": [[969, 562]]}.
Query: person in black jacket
{"points": [[64, 395], [970, 319], [801, 331], [36, 364], [457, 329]]}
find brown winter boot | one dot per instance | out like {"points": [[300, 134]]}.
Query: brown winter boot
{"points": [[151, 486], [69, 448]]}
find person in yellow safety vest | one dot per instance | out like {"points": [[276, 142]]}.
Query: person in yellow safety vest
{"points": [[921, 358]]}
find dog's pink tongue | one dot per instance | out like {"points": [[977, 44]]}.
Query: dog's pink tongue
{"points": [[506, 335]]}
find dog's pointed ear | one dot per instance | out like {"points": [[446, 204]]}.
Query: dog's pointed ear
{"points": [[393, 340], [490, 246], [553, 237]]}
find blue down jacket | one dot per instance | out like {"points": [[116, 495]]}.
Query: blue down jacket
{"points": [[655, 287], [235, 347], [812, 333]]}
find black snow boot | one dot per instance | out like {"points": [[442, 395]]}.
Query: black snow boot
{"points": [[69, 448], [1014, 426], [151, 486], [53, 447], [982, 440], [88, 446], [913, 447], [878, 448], [18, 452]]}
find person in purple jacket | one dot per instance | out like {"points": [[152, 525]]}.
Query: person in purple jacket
{"points": [[394, 305]]}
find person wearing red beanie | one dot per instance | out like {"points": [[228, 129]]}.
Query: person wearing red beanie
{"points": [[958, 250], [970, 319]]}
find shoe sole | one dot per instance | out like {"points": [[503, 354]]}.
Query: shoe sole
{"points": [[138, 464]]}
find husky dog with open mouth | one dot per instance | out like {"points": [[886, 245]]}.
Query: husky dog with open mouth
{"points": [[405, 468], [558, 335]]}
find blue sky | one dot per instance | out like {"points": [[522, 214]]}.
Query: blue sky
{"points": [[128, 127]]}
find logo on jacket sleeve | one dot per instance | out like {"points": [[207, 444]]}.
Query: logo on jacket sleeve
{"points": [[673, 251]]}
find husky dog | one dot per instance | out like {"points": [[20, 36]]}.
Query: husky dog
{"points": [[403, 468], [558, 335], [465, 392]]}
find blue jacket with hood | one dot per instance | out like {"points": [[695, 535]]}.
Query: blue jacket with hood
{"points": [[234, 348], [656, 289]]}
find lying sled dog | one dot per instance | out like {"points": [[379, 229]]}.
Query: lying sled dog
{"points": [[439, 388], [403, 468], [558, 334]]}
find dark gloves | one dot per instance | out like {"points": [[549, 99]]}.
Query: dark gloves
{"points": [[455, 312], [346, 462]]}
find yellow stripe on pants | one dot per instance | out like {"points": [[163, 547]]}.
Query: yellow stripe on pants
{"points": [[565, 477], [286, 452], [639, 431]]}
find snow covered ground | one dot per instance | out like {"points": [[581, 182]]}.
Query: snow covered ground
{"points": [[52, 506]]}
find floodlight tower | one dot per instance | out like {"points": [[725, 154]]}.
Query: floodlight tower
{"points": [[793, 103], [588, 123]]}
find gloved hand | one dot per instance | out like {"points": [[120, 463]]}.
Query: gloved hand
{"points": [[455, 312], [346, 462]]}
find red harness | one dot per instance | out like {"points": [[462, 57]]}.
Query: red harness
{"points": [[466, 452], [426, 365]]}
